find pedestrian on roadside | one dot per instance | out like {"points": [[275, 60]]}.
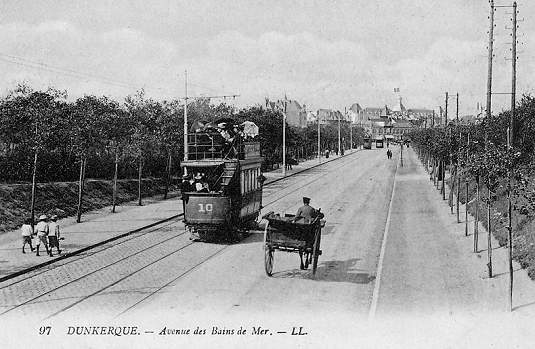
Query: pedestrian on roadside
{"points": [[27, 233], [41, 229], [54, 234]]}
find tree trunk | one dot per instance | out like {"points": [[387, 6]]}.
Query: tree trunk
{"points": [[466, 209], [437, 165], [453, 173], [433, 173], [139, 173], [458, 190], [167, 175], [34, 184], [114, 198], [443, 187], [80, 190], [489, 235], [476, 218]]}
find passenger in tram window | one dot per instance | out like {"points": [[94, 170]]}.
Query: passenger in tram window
{"points": [[198, 184], [205, 187]]}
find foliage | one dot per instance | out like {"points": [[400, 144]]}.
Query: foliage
{"points": [[139, 129]]}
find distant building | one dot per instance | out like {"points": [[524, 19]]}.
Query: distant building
{"points": [[378, 128], [399, 111], [324, 115], [296, 114], [375, 113], [475, 118], [332, 117], [311, 118], [356, 114], [401, 127]]}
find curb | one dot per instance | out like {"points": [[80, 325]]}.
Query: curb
{"points": [[311, 167], [87, 248]]}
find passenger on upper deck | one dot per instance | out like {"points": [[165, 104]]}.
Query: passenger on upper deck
{"points": [[306, 213], [198, 185]]}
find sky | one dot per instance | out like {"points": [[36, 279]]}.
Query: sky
{"points": [[324, 54]]}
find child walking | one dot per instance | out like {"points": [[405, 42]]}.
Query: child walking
{"points": [[27, 232]]}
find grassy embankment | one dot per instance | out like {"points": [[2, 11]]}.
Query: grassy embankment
{"points": [[523, 224], [62, 198]]}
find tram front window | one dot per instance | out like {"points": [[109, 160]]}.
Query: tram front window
{"points": [[206, 179]]}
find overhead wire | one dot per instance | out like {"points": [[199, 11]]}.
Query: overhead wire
{"points": [[65, 71]]}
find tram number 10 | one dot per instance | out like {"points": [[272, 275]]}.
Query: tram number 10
{"points": [[205, 208]]}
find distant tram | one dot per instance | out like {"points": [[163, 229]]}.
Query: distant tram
{"points": [[379, 143], [231, 198], [367, 143]]}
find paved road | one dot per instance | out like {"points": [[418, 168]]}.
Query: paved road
{"points": [[431, 286]]}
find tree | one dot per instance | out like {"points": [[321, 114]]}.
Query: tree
{"points": [[86, 126], [143, 115], [169, 135], [116, 127], [34, 118]]}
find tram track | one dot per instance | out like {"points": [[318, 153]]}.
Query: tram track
{"points": [[223, 248], [78, 256], [132, 232], [139, 269], [142, 250]]}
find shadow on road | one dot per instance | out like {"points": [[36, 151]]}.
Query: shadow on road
{"points": [[523, 306], [343, 271], [331, 271]]}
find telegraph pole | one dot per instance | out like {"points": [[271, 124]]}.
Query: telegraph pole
{"points": [[351, 135], [487, 116], [510, 142], [319, 141], [284, 139], [446, 111], [185, 117], [433, 119], [339, 148], [458, 167], [350, 131]]}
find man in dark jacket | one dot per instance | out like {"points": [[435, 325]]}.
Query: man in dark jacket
{"points": [[185, 188], [306, 213]]}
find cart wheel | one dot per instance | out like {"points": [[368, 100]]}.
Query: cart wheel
{"points": [[268, 260], [266, 234], [316, 251]]}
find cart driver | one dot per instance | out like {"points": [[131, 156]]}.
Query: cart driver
{"points": [[306, 213]]}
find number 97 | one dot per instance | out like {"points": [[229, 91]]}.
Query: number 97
{"points": [[44, 330]]}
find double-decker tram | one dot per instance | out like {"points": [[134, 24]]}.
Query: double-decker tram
{"points": [[225, 195], [379, 143], [367, 143]]}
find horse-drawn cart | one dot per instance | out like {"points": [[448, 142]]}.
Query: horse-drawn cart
{"points": [[284, 234]]}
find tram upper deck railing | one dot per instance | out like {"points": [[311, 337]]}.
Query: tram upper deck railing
{"points": [[203, 145]]}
